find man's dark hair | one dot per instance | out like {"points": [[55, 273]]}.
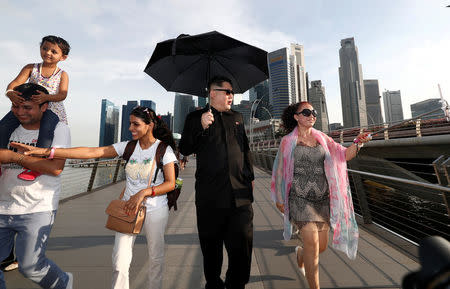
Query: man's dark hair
{"points": [[63, 44], [218, 80], [29, 89]]}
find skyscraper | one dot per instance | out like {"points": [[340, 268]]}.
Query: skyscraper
{"points": [[109, 123], [282, 80], [168, 120], [125, 133], [393, 110], [353, 98], [149, 104], [318, 101], [427, 106], [184, 104], [300, 74], [201, 101], [373, 105]]}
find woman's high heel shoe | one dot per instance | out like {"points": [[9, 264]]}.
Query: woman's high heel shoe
{"points": [[301, 269]]}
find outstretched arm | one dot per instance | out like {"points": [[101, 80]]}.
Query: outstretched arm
{"points": [[68, 153], [352, 150], [43, 166]]}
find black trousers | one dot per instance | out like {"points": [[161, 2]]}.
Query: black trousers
{"points": [[233, 228]]}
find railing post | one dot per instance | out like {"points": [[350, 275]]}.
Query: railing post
{"points": [[386, 132], [93, 173], [446, 168], [440, 166], [418, 132], [116, 173], [361, 193]]}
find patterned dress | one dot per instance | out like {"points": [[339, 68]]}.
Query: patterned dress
{"points": [[309, 198], [52, 85]]}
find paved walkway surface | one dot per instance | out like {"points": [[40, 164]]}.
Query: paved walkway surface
{"points": [[79, 243]]}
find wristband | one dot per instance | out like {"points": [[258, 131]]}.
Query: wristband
{"points": [[357, 142], [19, 161], [6, 92], [52, 154], [153, 192]]}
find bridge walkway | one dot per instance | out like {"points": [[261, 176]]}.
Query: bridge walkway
{"points": [[79, 243]]}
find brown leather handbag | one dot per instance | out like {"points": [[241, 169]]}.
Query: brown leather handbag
{"points": [[119, 221]]}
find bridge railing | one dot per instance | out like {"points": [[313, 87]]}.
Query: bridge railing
{"points": [[412, 128], [409, 208], [86, 176]]}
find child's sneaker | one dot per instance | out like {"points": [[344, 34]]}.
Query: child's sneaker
{"points": [[13, 266], [70, 282], [28, 175]]}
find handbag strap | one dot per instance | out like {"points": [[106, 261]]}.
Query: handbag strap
{"points": [[150, 178], [151, 173]]}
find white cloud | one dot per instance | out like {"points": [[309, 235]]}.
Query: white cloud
{"points": [[106, 69], [113, 40], [415, 71]]}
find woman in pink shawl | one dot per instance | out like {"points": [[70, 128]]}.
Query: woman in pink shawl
{"points": [[310, 187]]}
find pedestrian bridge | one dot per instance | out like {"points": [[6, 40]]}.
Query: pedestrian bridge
{"points": [[79, 243]]}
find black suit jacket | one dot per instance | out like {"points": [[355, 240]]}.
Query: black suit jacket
{"points": [[224, 164]]}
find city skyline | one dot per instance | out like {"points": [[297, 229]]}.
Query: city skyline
{"points": [[402, 46], [353, 96], [109, 123]]}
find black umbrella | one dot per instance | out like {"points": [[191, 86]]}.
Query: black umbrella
{"points": [[186, 63]]}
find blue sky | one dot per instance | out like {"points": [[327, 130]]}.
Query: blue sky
{"points": [[403, 44]]}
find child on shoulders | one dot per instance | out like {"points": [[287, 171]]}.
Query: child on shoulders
{"points": [[53, 49]]}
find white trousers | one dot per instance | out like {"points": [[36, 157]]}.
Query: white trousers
{"points": [[154, 228]]}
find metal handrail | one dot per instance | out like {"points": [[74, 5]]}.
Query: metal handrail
{"points": [[406, 181], [91, 175], [420, 212], [91, 162]]}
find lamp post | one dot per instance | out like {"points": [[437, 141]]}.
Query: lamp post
{"points": [[270, 121], [257, 101]]}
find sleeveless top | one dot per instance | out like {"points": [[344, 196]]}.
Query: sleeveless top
{"points": [[52, 85], [309, 198]]}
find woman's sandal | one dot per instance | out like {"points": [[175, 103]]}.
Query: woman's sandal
{"points": [[301, 269]]}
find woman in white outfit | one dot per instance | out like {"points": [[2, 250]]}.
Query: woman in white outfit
{"points": [[149, 131]]}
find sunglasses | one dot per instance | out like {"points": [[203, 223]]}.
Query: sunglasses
{"points": [[227, 91], [307, 112]]}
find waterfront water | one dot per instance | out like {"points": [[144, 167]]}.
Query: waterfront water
{"points": [[409, 210]]}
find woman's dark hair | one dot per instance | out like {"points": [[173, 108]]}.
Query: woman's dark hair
{"points": [[287, 118], [160, 130], [63, 44]]}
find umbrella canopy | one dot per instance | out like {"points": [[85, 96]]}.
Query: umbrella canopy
{"points": [[185, 64]]}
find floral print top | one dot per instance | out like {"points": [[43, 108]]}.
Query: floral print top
{"points": [[52, 85]]}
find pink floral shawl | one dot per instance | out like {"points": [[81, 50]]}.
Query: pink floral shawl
{"points": [[342, 216]]}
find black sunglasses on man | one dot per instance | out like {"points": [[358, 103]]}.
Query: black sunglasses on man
{"points": [[227, 91]]}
